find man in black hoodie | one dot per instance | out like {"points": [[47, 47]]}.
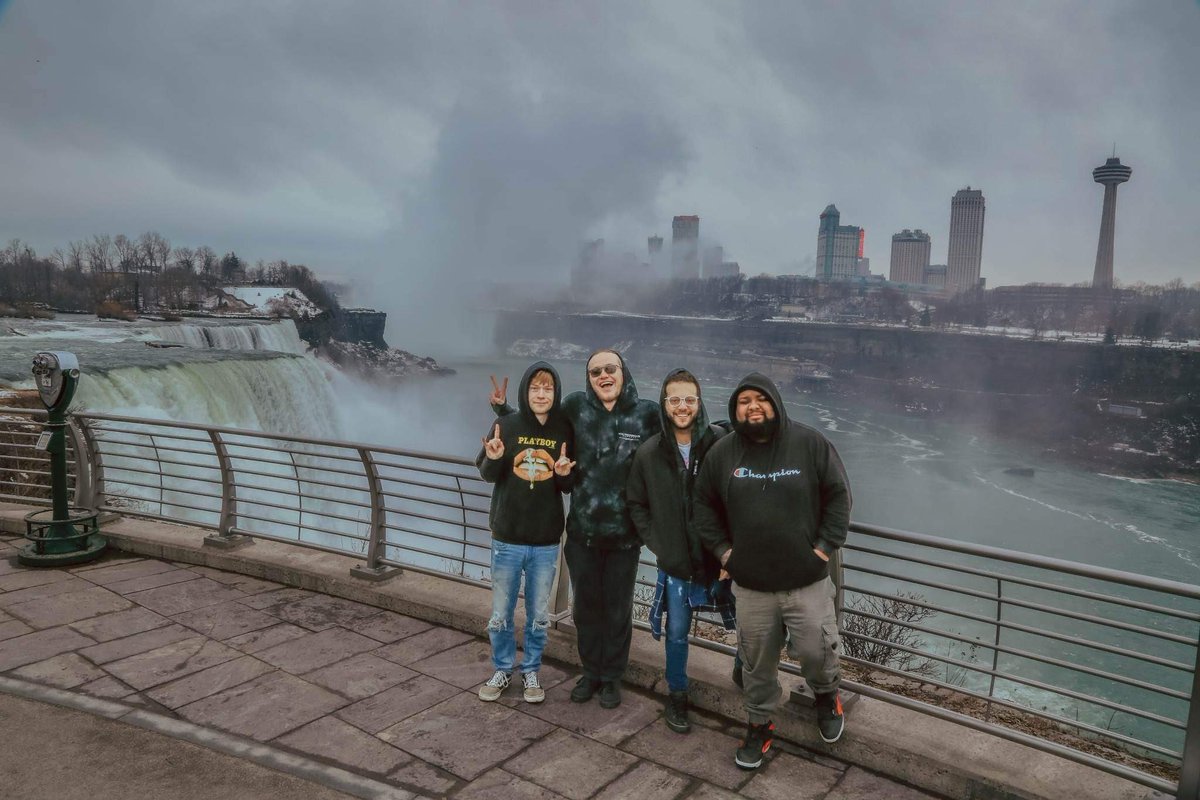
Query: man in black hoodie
{"points": [[660, 500], [773, 504], [526, 457], [609, 423]]}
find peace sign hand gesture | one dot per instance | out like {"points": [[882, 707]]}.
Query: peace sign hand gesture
{"points": [[499, 391], [494, 447], [562, 467]]}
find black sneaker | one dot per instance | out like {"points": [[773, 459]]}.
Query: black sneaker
{"points": [[585, 687], [677, 712], [737, 673], [830, 720], [610, 694], [755, 745]]}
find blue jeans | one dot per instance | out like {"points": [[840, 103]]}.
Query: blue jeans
{"points": [[509, 561], [679, 623]]}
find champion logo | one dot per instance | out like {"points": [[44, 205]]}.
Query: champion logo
{"points": [[746, 472]]}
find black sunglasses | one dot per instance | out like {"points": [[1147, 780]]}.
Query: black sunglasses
{"points": [[611, 369]]}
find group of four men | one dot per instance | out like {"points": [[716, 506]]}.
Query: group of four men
{"points": [[755, 514]]}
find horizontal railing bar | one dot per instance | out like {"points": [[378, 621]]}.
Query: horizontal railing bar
{"points": [[441, 503], [256, 449], [100, 430], [404, 565], [1053, 610], [29, 485], [1015, 651], [297, 541], [133, 512], [177, 504], [439, 537], [474, 478], [301, 526], [422, 484], [108, 468], [972, 667], [435, 554], [1043, 745], [1040, 562], [157, 487], [1070, 590], [458, 523], [1016, 626], [1074, 723], [313, 512]]}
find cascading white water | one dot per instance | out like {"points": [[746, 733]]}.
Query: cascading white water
{"points": [[280, 336], [282, 395]]}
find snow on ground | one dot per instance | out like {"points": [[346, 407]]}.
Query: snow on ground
{"points": [[275, 299]]}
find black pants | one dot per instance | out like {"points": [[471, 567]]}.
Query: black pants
{"points": [[602, 581]]}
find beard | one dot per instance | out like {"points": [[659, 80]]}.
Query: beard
{"points": [[757, 431]]}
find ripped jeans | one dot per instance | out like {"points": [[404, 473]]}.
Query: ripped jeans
{"points": [[509, 561]]}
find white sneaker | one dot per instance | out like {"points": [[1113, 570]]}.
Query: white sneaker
{"points": [[534, 693], [494, 687]]}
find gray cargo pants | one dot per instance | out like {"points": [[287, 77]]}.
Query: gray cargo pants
{"points": [[811, 619]]}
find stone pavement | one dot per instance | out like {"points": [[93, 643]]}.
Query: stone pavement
{"points": [[379, 694]]}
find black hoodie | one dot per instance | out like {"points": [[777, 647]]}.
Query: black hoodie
{"points": [[527, 505], [773, 501], [660, 494], [605, 442]]}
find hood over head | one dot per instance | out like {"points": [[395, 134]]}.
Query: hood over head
{"points": [[756, 380], [699, 423], [627, 398], [523, 389]]}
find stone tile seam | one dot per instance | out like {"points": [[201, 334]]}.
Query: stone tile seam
{"points": [[264, 755]]}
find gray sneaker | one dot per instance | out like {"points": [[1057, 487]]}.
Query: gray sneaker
{"points": [[494, 687], [534, 693]]}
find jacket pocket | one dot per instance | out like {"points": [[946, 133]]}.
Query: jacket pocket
{"points": [[831, 646]]}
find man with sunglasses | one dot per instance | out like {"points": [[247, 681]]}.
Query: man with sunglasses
{"points": [[660, 500], [602, 547]]}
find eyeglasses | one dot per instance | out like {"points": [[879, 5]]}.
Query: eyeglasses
{"points": [[611, 369], [691, 401]]}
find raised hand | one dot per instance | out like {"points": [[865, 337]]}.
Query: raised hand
{"points": [[494, 447], [562, 467], [499, 391]]}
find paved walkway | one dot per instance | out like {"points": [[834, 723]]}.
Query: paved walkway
{"points": [[230, 660]]}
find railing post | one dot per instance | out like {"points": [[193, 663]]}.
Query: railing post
{"points": [[95, 461], [83, 464], [373, 570], [995, 646], [225, 537], [1189, 771], [560, 595], [836, 574]]}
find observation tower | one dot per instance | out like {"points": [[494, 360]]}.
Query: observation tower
{"points": [[1112, 175]]}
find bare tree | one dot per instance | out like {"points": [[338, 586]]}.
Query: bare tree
{"points": [[185, 258], [58, 258], [76, 255], [128, 255], [875, 625], [100, 253], [206, 259], [155, 250]]}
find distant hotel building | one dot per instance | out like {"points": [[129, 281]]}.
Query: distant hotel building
{"points": [[910, 256], [839, 247], [966, 240], [935, 276], [685, 247]]}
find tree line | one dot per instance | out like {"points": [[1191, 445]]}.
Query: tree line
{"points": [[135, 274]]}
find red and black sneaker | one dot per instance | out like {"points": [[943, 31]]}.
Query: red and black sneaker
{"points": [[755, 745], [830, 720]]}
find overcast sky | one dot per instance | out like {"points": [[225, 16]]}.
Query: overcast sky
{"points": [[387, 140]]}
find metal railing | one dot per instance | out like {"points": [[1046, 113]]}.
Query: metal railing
{"points": [[1092, 664]]}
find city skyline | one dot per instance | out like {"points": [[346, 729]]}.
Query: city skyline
{"points": [[411, 150]]}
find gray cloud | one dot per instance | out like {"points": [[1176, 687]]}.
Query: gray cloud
{"points": [[430, 145]]}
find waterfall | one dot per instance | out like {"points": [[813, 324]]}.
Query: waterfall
{"points": [[282, 395], [280, 336]]}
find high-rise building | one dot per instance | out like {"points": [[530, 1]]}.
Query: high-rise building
{"points": [[713, 257], [1112, 175], [910, 256], [935, 275], [966, 240], [685, 247], [839, 247], [654, 246]]}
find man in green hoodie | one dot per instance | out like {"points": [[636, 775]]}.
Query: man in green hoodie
{"points": [[609, 423], [773, 504]]}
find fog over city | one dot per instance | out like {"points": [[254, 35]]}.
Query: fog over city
{"points": [[403, 147]]}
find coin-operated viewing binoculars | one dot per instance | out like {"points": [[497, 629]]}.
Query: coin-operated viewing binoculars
{"points": [[60, 535]]}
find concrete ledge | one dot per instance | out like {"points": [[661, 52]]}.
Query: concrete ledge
{"points": [[920, 750]]}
